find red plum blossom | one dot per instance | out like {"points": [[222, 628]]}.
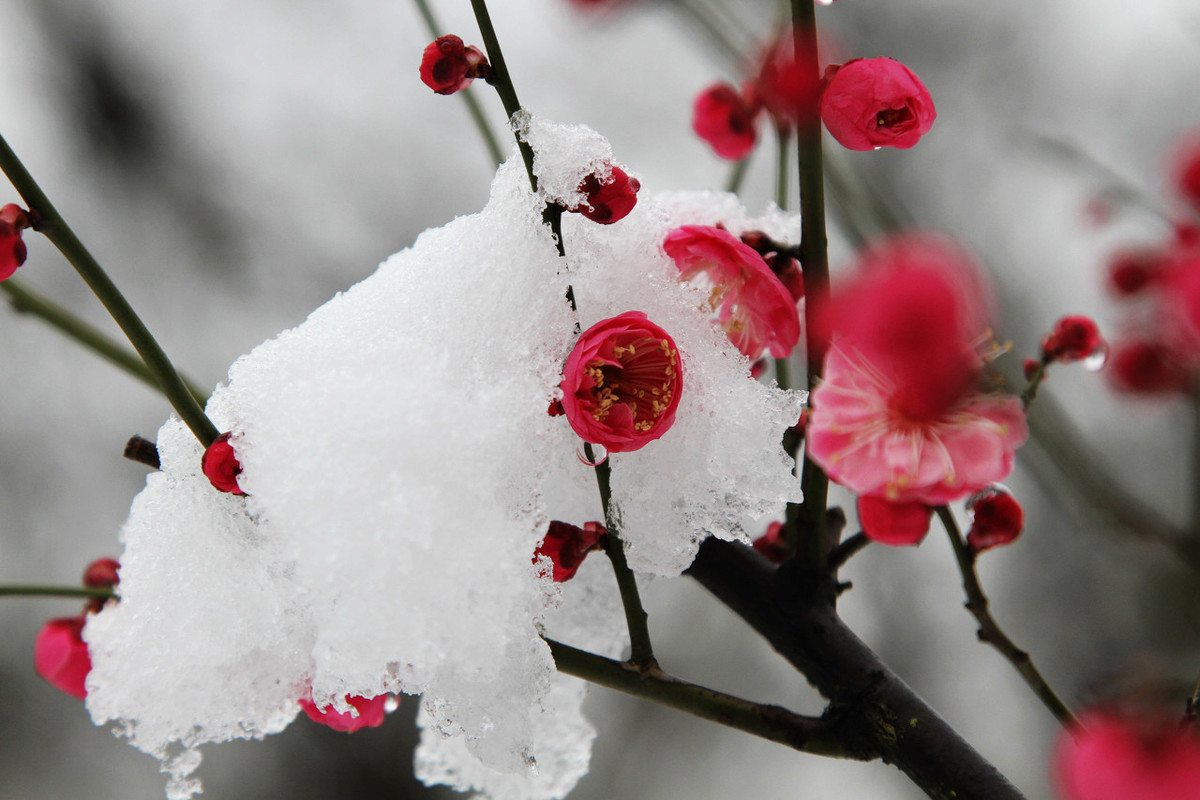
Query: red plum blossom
{"points": [[447, 66], [621, 383], [870, 103], [220, 465]]}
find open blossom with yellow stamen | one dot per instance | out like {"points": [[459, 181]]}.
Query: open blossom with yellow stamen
{"points": [[899, 415], [621, 383]]}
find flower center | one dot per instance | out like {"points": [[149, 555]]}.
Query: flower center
{"points": [[892, 117], [642, 379]]}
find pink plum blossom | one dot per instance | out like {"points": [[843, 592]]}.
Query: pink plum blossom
{"points": [[61, 657], [753, 306], [898, 415], [621, 383], [865, 441], [1122, 756]]}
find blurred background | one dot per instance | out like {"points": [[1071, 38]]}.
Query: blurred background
{"points": [[234, 164]]}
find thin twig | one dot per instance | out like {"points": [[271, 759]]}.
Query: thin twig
{"points": [[847, 550], [26, 301], [990, 632], [48, 222], [32, 590], [807, 734], [641, 651], [501, 81]]}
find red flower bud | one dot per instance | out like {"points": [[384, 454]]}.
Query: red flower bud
{"points": [[567, 546], [1029, 368], [786, 87], [724, 119], [371, 712], [61, 657], [220, 465], [772, 545], [897, 524], [1185, 170], [447, 66], [13, 220], [102, 574], [610, 201], [1073, 338], [876, 102], [621, 383], [997, 518]]}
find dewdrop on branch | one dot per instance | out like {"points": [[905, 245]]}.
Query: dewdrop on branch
{"points": [[355, 564]]}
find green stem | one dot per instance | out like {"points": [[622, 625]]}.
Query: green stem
{"points": [[501, 81], [737, 175], [20, 590], [990, 632], [783, 373], [784, 139], [641, 652], [1029, 393], [48, 222], [472, 102], [26, 301], [807, 734], [814, 261]]}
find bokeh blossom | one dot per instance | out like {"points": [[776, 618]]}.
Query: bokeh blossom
{"points": [[1117, 755], [61, 657], [622, 382], [753, 306], [898, 414], [12, 247], [870, 103]]}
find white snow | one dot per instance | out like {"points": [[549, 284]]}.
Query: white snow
{"points": [[402, 468]]}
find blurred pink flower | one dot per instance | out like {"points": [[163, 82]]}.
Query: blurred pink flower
{"points": [[898, 415], [61, 656], [754, 307], [621, 383], [724, 118], [864, 440], [894, 523], [12, 247], [1121, 756]]}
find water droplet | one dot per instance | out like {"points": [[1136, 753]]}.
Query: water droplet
{"points": [[1097, 359], [987, 491], [597, 450], [391, 704]]}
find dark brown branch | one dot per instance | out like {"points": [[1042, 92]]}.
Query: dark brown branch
{"points": [[876, 709], [819, 736]]}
